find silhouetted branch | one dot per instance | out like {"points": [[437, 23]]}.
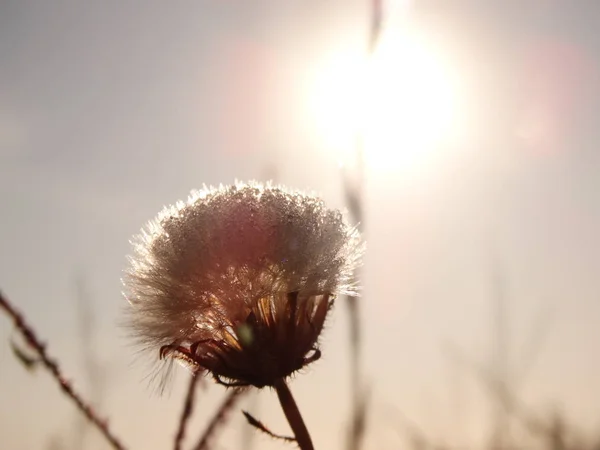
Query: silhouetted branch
{"points": [[52, 366], [188, 407], [247, 435], [262, 427], [219, 418]]}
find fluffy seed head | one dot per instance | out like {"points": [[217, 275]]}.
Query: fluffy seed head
{"points": [[238, 280]]}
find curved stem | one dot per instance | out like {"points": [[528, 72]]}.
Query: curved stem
{"points": [[293, 416]]}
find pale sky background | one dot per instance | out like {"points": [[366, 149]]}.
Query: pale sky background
{"points": [[110, 110]]}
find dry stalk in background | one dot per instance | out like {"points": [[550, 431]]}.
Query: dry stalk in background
{"points": [[188, 407], [353, 190], [52, 366], [219, 418], [94, 372]]}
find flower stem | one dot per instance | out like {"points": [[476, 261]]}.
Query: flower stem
{"points": [[292, 413]]}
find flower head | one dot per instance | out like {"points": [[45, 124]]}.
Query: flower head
{"points": [[238, 281]]}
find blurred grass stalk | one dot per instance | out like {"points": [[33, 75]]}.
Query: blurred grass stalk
{"points": [[94, 373], [354, 194], [219, 418], [188, 408]]}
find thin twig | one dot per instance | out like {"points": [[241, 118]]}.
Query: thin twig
{"points": [[248, 435], [219, 418], [186, 413], [52, 366], [262, 427], [293, 416]]}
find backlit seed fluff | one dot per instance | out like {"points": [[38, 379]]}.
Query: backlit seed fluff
{"points": [[238, 280]]}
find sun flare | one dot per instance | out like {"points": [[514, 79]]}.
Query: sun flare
{"points": [[402, 101]]}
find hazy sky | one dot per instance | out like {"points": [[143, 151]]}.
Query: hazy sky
{"points": [[110, 110]]}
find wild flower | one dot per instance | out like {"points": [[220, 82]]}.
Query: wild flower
{"points": [[237, 282]]}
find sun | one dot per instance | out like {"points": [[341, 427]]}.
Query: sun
{"points": [[402, 101]]}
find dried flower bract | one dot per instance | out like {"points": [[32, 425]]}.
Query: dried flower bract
{"points": [[238, 281]]}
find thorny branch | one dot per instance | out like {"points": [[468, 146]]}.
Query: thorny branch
{"points": [[52, 366]]}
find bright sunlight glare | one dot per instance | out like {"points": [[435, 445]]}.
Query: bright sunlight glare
{"points": [[402, 101]]}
